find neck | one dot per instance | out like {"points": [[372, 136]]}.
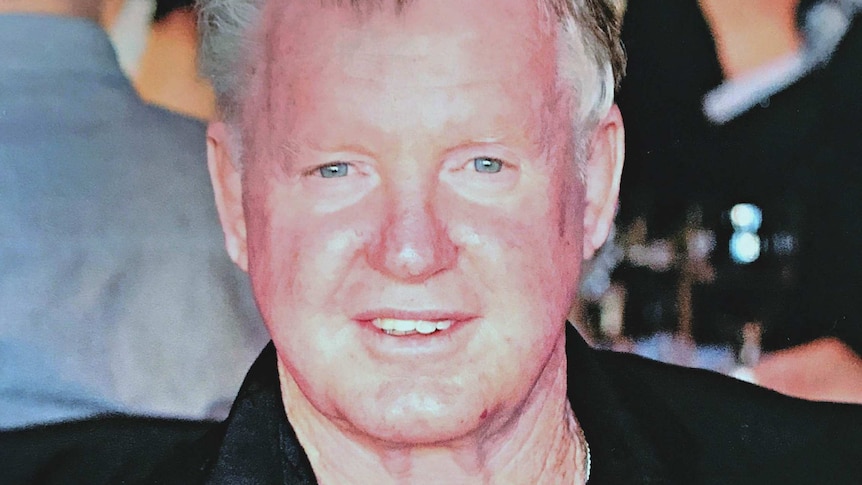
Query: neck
{"points": [[751, 33], [540, 444], [836, 376], [167, 74], [90, 9]]}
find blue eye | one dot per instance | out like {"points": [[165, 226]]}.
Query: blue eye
{"points": [[334, 170], [487, 165]]}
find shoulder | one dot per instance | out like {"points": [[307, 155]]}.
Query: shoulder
{"points": [[179, 141], [738, 429], [176, 122], [160, 158], [167, 131], [98, 451]]}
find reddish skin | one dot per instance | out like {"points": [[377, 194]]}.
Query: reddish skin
{"points": [[825, 369], [409, 101]]}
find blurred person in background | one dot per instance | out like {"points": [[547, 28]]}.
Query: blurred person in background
{"points": [[754, 102], [115, 294], [827, 364]]}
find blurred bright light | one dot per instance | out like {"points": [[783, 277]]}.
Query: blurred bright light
{"points": [[745, 247], [746, 217]]}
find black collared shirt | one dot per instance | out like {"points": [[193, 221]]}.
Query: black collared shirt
{"points": [[646, 422]]}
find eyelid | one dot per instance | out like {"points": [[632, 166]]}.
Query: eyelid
{"points": [[488, 165], [469, 163], [315, 170], [462, 156]]}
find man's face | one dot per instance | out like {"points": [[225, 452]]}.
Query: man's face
{"points": [[415, 173]]}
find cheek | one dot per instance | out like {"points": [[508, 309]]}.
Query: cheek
{"points": [[567, 246], [570, 220], [273, 259], [298, 259], [528, 250]]}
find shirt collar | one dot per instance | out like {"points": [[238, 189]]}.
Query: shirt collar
{"points": [[624, 424]]}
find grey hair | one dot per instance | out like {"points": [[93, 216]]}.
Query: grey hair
{"points": [[224, 41], [590, 36]]}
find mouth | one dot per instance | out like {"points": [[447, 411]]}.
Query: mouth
{"points": [[402, 328], [406, 323], [398, 335]]}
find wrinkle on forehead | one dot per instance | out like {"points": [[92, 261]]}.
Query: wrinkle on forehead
{"points": [[292, 17], [304, 41], [299, 29]]}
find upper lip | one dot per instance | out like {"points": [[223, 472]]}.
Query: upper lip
{"points": [[426, 315]]}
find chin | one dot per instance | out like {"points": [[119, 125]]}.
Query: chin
{"points": [[421, 430], [422, 419]]}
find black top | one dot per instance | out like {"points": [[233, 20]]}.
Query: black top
{"points": [[646, 422]]}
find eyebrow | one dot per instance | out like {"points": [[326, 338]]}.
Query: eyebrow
{"points": [[535, 134], [288, 149], [539, 145], [369, 6]]}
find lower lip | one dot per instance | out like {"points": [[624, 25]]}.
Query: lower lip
{"points": [[438, 343]]}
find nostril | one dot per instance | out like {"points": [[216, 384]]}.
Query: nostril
{"points": [[412, 258], [412, 243]]}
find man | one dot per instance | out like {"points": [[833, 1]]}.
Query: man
{"points": [[115, 294], [412, 188]]}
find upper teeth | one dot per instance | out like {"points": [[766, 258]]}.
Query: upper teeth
{"points": [[393, 326]]}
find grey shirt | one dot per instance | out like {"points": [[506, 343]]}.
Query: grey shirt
{"points": [[115, 290]]}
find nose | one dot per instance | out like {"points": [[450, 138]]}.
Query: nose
{"points": [[412, 244]]}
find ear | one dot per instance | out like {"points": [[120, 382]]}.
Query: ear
{"points": [[227, 185], [603, 168]]}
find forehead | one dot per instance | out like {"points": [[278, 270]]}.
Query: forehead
{"points": [[319, 56], [320, 23]]}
